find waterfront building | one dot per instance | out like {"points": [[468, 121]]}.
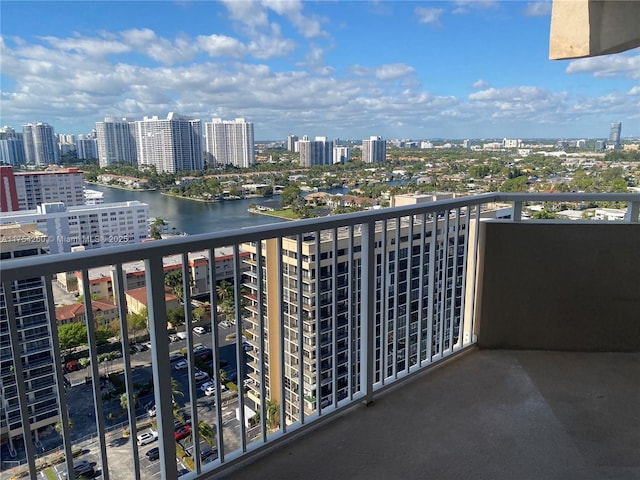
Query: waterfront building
{"points": [[230, 142], [170, 145], [87, 148], [341, 154], [56, 184], [116, 142], [12, 151], [292, 140], [93, 197], [40, 144], [315, 152], [36, 373], [90, 226], [374, 150], [614, 134]]}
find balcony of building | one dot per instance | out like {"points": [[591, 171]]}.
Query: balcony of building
{"points": [[476, 347]]}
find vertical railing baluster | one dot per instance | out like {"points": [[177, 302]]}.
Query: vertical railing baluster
{"points": [[95, 374], [261, 343], [299, 306], [421, 285], [215, 347], [120, 287], [367, 346], [154, 279], [282, 343], [18, 373]]}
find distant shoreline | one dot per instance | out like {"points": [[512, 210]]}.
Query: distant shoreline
{"points": [[121, 187]]}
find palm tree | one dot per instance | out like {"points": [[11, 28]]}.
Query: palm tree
{"points": [[273, 414], [58, 426], [224, 289], [207, 432], [124, 400]]}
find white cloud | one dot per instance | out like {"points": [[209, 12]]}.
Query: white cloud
{"points": [[465, 6], [608, 66], [537, 9], [429, 15], [634, 90], [309, 27], [393, 71], [221, 46], [480, 83], [95, 47]]}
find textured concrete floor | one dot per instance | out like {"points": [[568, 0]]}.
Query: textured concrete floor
{"points": [[489, 414]]}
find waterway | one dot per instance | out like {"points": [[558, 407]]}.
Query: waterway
{"points": [[189, 216]]}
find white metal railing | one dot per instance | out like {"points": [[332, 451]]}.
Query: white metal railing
{"points": [[394, 290]]}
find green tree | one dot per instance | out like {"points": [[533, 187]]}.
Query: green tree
{"points": [[207, 432], [71, 336], [58, 426], [176, 316], [137, 322], [273, 414], [155, 231], [124, 400], [288, 196]]}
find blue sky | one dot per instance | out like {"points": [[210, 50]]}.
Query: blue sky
{"points": [[399, 69]]}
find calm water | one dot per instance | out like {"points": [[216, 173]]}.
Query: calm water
{"points": [[189, 216]]}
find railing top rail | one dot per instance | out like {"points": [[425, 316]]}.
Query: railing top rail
{"points": [[51, 264]]}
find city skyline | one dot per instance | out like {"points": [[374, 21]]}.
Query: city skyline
{"points": [[453, 69]]}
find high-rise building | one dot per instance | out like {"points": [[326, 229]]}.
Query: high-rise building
{"points": [[614, 134], [230, 142], [87, 148], [170, 145], [30, 319], [315, 152], [89, 226], [401, 302], [374, 150], [116, 142], [341, 154], [40, 144], [12, 151], [291, 143], [52, 185]]}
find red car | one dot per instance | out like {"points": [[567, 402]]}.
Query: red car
{"points": [[182, 432]]}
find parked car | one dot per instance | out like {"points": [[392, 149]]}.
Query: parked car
{"points": [[153, 454], [199, 330], [182, 432], [151, 410], [211, 390], [181, 365], [225, 324], [175, 357], [147, 437], [201, 376], [206, 385], [81, 467]]}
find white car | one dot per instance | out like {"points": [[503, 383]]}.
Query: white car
{"points": [[181, 365], [152, 410], [147, 437], [211, 390], [206, 385], [199, 330], [201, 376], [225, 324]]}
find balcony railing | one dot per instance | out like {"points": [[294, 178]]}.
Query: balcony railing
{"points": [[397, 266]]}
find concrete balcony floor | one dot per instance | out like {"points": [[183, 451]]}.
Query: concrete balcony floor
{"points": [[487, 414]]}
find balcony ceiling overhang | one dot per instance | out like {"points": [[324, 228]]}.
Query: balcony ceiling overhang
{"points": [[588, 28]]}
